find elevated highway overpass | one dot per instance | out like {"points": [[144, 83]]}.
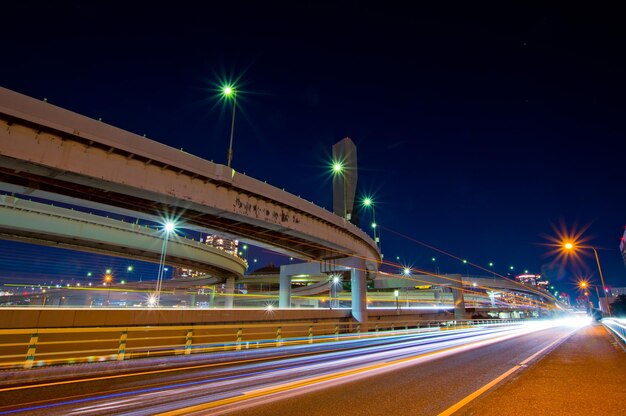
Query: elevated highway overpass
{"points": [[45, 224], [58, 155]]}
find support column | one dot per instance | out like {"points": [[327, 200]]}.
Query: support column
{"points": [[359, 296], [284, 289], [229, 290], [459, 302], [437, 295]]}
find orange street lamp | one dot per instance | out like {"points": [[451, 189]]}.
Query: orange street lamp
{"points": [[569, 246], [584, 285]]}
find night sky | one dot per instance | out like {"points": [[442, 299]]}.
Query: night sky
{"points": [[477, 130]]}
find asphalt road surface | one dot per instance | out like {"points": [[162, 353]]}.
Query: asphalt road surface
{"points": [[417, 373]]}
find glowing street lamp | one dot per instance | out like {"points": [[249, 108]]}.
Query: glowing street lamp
{"points": [[334, 283], [228, 92], [584, 286], [338, 170], [169, 227], [571, 247], [369, 203], [434, 260]]}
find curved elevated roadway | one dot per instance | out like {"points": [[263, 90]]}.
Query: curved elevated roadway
{"points": [[38, 223], [51, 152]]}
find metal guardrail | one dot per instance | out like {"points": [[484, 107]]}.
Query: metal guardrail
{"points": [[618, 326], [28, 348]]}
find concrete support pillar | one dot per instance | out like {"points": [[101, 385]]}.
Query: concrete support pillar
{"points": [[359, 296], [229, 290], [437, 294], [459, 303], [284, 289]]}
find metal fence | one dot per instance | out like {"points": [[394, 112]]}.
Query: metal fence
{"points": [[618, 326]]}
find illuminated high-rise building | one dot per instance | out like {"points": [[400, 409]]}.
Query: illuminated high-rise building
{"points": [[527, 279], [217, 241]]}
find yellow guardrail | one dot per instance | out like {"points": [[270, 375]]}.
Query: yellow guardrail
{"points": [[35, 347]]}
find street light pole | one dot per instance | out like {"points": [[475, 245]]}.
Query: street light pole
{"points": [[168, 228], [598, 295], [369, 203], [228, 91], [374, 224], [608, 305], [571, 246], [588, 305], [338, 170], [333, 291]]}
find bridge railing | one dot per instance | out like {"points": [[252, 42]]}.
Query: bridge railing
{"points": [[618, 326], [211, 296], [28, 348]]}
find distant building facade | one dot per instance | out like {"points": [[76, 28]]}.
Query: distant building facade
{"points": [[527, 279], [622, 246], [229, 246], [617, 291], [533, 280], [185, 273], [219, 242]]}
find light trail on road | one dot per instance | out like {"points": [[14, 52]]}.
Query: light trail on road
{"points": [[226, 387]]}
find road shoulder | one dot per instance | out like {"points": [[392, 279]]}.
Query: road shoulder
{"points": [[585, 375]]}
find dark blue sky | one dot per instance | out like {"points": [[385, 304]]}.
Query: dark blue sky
{"points": [[476, 128]]}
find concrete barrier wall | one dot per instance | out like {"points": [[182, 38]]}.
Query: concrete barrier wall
{"points": [[20, 318]]}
